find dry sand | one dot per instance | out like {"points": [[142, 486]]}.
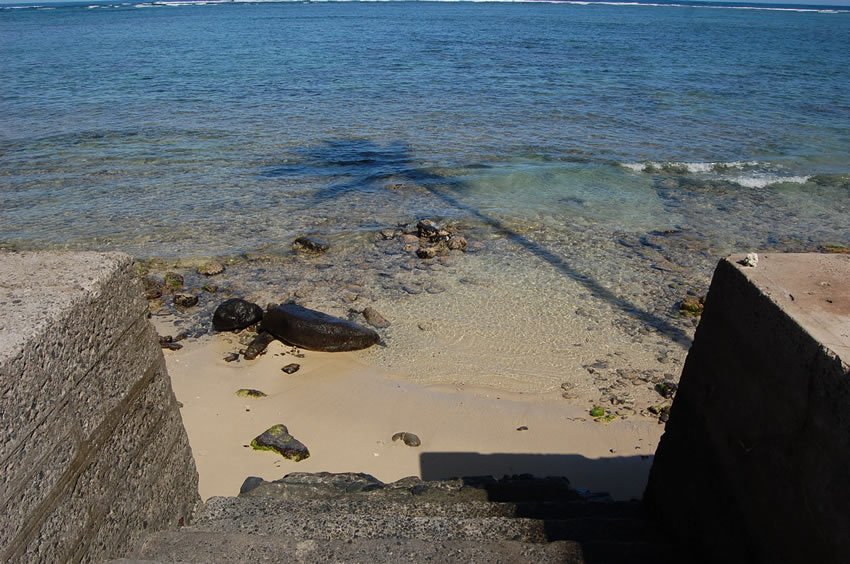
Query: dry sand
{"points": [[346, 413]]}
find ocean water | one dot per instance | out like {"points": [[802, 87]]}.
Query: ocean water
{"points": [[605, 156]]}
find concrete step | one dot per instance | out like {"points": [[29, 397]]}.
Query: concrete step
{"points": [[203, 547], [423, 506], [346, 519]]}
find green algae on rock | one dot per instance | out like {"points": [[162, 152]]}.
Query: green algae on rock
{"points": [[692, 306], [278, 439], [250, 393]]}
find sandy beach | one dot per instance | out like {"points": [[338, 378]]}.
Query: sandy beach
{"points": [[346, 412]]}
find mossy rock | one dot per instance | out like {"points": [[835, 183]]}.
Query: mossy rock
{"points": [[835, 249], [250, 393], [277, 439], [173, 281], [692, 306], [597, 411]]}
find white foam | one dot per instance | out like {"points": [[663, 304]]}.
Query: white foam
{"points": [[764, 180], [688, 167]]}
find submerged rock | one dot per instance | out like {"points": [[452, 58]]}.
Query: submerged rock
{"points": [[250, 393], [409, 439], [317, 331], [235, 314], [291, 368], [375, 319], [310, 245], [173, 281], [185, 300], [211, 268], [278, 439]]}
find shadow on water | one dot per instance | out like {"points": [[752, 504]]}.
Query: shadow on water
{"points": [[360, 165]]}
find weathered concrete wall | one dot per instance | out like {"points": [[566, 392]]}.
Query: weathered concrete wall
{"points": [[93, 451], [754, 464]]}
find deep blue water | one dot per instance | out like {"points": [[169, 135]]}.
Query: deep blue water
{"points": [[180, 130]]}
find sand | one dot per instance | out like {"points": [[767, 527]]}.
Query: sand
{"points": [[346, 412]]}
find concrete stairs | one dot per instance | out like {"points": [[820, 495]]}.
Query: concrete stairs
{"points": [[356, 518]]}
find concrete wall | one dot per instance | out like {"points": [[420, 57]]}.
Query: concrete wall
{"points": [[93, 451], [754, 465]]}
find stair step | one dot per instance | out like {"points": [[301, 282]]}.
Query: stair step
{"points": [[203, 547], [426, 506], [272, 517]]}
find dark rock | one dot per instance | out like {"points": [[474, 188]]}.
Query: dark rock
{"points": [[310, 245], [258, 345], [375, 319], [236, 313], [249, 484], [173, 281], [291, 368], [278, 439], [409, 439], [667, 389], [250, 393], [426, 252], [185, 300], [231, 357], [167, 342], [153, 287], [522, 428], [317, 331], [427, 228]]}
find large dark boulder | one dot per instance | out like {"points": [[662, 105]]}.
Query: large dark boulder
{"points": [[316, 331], [236, 314]]}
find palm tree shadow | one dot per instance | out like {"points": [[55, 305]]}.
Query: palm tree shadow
{"points": [[361, 165]]}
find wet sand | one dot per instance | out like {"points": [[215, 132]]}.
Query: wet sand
{"points": [[346, 412]]}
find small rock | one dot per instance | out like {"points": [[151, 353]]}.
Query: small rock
{"points": [[409, 439], [211, 288], [258, 345], [310, 245], [427, 228], [236, 313], [153, 288], [667, 389], [231, 357], [751, 260], [167, 342], [250, 393], [375, 319], [291, 368], [411, 289], [522, 428], [185, 300], [410, 239], [278, 439], [692, 306], [426, 252], [597, 411], [387, 234], [457, 244], [173, 281], [211, 268]]}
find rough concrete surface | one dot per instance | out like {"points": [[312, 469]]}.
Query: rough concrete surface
{"points": [[754, 462], [93, 453]]}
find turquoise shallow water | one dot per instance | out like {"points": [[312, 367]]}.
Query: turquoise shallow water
{"points": [[599, 159], [219, 129]]}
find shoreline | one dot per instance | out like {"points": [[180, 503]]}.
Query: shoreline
{"points": [[346, 413]]}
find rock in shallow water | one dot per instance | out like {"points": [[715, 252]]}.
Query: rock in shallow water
{"points": [[409, 439], [317, 331], [375, 319], [236, 313], [310, 245], [278, 439]]}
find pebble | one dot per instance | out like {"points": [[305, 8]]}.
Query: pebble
{"points": [[291, 368], [409, 439]]}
